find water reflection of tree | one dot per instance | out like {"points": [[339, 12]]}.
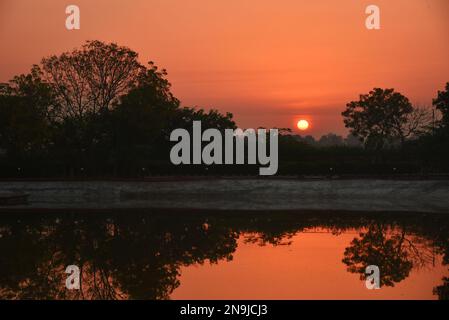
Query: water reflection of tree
{"points": [[393, 249], [129, 257], [441, 240], [374, 248], [139, 256]]}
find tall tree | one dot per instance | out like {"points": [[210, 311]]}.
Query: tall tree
{"points": [[376, 117], [91, 79]]}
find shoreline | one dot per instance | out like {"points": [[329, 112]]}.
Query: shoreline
{"points": [[237, 194], [4, 211], [311, 177]]}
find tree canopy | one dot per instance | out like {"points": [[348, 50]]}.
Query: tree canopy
{"points": [[378, 117], [94, 106]]}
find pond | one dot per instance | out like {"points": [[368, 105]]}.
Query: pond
{"points": [[190, 254]]}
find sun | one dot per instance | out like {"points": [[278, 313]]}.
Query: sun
{"points": [[303, 125]]}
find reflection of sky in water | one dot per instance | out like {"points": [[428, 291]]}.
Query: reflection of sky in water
{"points": [[310, 267], [281, 255]]}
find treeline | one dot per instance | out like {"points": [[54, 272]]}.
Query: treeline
{"points": [[98, 112], [388, 135], [92, 111]]}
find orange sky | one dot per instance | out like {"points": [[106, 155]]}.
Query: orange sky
{"points": [[269, 62]]}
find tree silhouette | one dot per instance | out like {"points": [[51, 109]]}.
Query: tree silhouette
{"points": [[442, 104], [90, 79], [96, 111], [374, 248], [95, 108], [25, 115], [376, 118]]}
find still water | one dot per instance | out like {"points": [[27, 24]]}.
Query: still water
{"points": [[151, 254]]}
